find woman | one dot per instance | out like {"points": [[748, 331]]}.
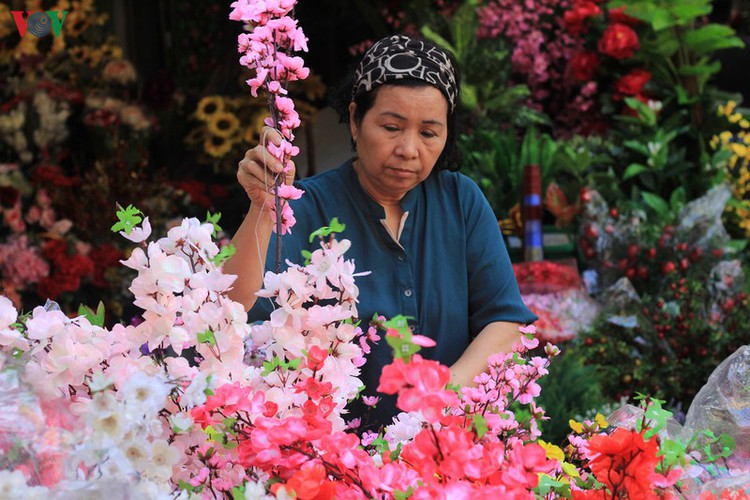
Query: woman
{"points": [[427, 233]]}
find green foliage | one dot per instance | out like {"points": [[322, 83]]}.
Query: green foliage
{"points": [[401, 343], [96, 318], [334, 227], [213, 219], [128, 218], [224, 254]]}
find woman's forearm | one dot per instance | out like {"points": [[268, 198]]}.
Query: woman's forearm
{"points": [[495, 337], [249, 260]]}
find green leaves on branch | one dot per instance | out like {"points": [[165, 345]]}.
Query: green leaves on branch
{"points": [[128, 219], [95, 318], [225, 253], [213, 219], [334, 227]]}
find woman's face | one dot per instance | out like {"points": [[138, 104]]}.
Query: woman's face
{"points": [[399, 139]]}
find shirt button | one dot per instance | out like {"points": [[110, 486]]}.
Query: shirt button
{"points": [[408, 292], [401, 257]]}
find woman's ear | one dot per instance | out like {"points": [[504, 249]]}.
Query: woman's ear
{"points": [[353, 128]]}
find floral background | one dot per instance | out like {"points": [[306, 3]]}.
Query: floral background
{"points": [[632, 110]]}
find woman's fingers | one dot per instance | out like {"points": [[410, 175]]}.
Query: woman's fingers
{"points": [[258, 170]]}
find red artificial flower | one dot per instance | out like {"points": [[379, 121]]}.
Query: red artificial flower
{"points": [[575, 18], [101, 118], [105, 257], [623, 461], [618, 16], [619, 41], [311, 482], [582, 66], [54, 175], [632, 84]]}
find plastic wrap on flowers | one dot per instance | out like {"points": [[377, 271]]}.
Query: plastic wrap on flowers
{"points": [[700, 220], [30, 433], [723, 404], [554, 292]]}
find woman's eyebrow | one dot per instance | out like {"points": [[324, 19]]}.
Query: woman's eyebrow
{"points": [[402, 117]]}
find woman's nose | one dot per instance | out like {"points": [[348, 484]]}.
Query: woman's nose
{"points": [[407, 146]]}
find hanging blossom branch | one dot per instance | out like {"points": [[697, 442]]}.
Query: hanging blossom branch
{"points": [[267, 49]]}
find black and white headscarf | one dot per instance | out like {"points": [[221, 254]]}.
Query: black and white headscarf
{"points": [[399, 57]]}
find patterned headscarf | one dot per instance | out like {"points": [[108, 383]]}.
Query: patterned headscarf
{"points": [[402, 57]]}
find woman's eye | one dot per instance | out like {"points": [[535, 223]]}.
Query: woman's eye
{"points": [[429, 134], [390, 128]]}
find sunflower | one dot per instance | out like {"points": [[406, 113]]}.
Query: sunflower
{"points": [[110, 51], [195, 136], [6, 23], [252, 131], [76, 23], [81, 55], [209, 106], [217, 146], [223, 123]]}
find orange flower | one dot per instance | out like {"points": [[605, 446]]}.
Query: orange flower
{"points": [[623, 461]]}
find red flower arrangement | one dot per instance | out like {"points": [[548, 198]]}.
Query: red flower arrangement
{"points": [[632, 83], [545, 276], [619, 41]]}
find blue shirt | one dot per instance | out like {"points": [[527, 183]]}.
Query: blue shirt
{"points": [[449, 271]]}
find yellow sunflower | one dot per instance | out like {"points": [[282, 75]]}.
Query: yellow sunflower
{"points": [[110, 51], [28, 46], [223, 123], [217, 146], [195, 136], [252, 131], [208, 106], [81, 55], [76, 23], [6, 21]]}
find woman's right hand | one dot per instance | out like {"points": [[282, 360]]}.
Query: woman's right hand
{"points": [[258, 170]]}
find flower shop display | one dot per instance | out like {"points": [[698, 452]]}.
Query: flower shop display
{"points": [[675, 301], [555, 293], [187, 400], [195, 402], [733, 143]]}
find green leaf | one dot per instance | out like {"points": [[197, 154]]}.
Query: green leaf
{"points": [[333, 227], [432, 35], [656, 203], [238, 492], [128, 218], [701, 68], [95, 318], [548, 484], [395, 453], [677, 199], [712, 37], [480, 425], [468, 97], [633, 170], [727, 444], [269, 366], [683, 98], [214, 220], [307, 255], [207, 337], [223, 255], [401, 495], [688, 11], [646, 114]]}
